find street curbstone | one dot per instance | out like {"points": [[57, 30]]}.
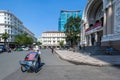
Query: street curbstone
{"points": [[81, 59]]}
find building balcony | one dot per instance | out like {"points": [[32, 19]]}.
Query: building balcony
{"points": [[93, 29]]}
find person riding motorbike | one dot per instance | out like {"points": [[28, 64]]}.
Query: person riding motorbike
{"points": [[37, 49]]}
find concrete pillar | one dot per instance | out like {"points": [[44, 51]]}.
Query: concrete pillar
{"points": [[90, 43], [105, 23], [109, 20], [88, 40], [112, 20], [96, 37]]}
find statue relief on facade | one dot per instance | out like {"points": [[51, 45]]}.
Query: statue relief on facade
{"points": [[117, 17]]}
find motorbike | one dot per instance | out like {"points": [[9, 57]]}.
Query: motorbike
{"points": [[31, 62]]}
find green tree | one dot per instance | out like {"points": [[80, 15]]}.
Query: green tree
{"points": [[61, 43], [29, 40], [38, 43], [72, 30], [18, 39], [5, 36], [23, 39]]}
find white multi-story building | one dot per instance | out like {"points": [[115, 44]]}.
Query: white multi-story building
{"points": [[52, 38], [12, 25]]}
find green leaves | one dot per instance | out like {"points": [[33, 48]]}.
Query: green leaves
{"points": [[61, 43], [23, 39], [38, 43], [72, 30], [5, 36]]}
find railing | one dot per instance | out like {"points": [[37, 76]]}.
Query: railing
{"points": [[94, 30]]}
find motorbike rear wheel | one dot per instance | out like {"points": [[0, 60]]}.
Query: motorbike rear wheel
{"points": [[23, 69]]}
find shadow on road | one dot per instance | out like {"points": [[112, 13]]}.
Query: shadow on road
{"points": [[40, 67]]}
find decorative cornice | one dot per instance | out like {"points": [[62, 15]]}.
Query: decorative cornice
{"points": [[53, 32]]}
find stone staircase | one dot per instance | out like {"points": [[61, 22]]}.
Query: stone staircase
{"points": [[98, 50]]}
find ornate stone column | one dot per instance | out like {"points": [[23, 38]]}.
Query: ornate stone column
{"points": [[96, 38], [105, 18], [105, 23], [109, 19], [90, 43]]}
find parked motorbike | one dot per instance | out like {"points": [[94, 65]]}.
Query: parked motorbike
{"points": [[31, 62]]}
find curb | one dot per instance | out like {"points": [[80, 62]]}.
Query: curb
{"points": [[76, 62], [86, 63]]}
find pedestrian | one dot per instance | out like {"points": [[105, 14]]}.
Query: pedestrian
{"points": [[52, 49], [37, 49], [9, 50], [39, 58], [109, 50], [80, 47]]}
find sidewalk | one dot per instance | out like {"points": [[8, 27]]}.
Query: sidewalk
{"points": [[100, 60]]}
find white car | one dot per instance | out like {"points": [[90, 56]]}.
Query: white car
{"points": [[0, 50], [25, 49]]}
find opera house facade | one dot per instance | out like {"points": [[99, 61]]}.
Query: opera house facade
{"points": [[101, 24]]}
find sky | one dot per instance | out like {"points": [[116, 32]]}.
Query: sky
{"points": [[40, 15]]}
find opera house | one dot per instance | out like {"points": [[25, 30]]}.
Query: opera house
{"points": [[101, 24]]}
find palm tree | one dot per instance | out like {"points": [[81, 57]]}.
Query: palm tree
{"points": [[72, 30], [5, 36]]}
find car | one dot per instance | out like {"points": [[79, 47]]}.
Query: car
{"points": [[57, 48], [2, 48], [26, 48], [19, 49]]}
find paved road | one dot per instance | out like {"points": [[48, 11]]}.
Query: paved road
{"points": [[57, 69], [9, 62]]}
